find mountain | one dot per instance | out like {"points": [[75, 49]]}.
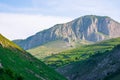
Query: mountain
{"points": [[90, 28], [17, 64], [100, 66]]}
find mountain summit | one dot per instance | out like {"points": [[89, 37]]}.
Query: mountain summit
{"points": [[90, 28]]}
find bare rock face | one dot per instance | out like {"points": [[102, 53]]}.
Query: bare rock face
{"points": [[91, 28]]}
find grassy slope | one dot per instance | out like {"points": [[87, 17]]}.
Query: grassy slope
{"points": [[20, 63], [80, 53], [49, 48], [54, 47]]}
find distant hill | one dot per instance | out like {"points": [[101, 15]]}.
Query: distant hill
{"points": [[16, 64], [91, 28]]}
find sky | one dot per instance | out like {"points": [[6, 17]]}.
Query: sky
{"points": [[22, 18]]}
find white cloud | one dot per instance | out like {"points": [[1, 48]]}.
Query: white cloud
{"points": [[15, 26]]}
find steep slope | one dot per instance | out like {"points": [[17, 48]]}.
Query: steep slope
{"points": [[100, 66], [16, 64], [80, 53], [90, 28]]}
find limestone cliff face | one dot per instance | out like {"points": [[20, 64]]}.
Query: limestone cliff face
{"points": [[91, 28]]}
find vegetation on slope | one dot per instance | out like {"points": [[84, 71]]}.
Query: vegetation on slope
{"points": [[23, 65], [50, 48], [80, 53], [54, 47]]}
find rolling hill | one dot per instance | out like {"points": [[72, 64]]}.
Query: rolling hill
{"points": [[90, 28], [17, 64]]}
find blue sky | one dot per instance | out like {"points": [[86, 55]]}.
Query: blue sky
{"points": [[36, 15]]}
